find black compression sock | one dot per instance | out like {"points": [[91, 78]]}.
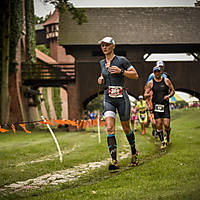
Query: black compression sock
{"points": [[168, 133], [112, 145], [160, 134], [131, 139]]}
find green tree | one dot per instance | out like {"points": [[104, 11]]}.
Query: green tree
{"points": [[11, 18], [5, 98], [43, 49], [197, 3], [79, 14], [40, 20]]}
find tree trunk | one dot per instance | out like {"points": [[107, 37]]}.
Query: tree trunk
{"points": [[5, 99]]}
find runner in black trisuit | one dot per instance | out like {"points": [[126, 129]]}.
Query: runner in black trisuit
{"points": [[113, 70], [162, 89], [161, 64]]}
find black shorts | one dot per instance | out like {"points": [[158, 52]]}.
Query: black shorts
{"points": [[162, 115], [122, 105]]}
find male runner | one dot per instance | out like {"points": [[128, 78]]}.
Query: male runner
{"points": [[162, 89], [113, 70], [161, 64]]}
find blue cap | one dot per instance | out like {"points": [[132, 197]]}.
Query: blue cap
{"points": [[156, 68]]}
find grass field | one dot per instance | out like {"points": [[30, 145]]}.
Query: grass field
{"points": [[30, 166]]}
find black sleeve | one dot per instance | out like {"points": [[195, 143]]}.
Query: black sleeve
{"points": [[125, 62]]}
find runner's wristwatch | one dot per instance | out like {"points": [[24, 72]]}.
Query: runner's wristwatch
{"points": [[122, 71]]}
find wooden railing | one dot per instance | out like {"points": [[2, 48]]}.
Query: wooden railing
{"points": [[48, 75]]}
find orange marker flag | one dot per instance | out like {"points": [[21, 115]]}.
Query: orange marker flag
{"points": [[73, 123], [59, 121], [3, 130], [47, 122], [23, 126], [67, 122], [13, 128]]}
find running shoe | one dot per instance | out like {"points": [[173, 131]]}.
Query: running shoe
{"points": [[165, 140], [114, 165], [134, 160], [163, 145], [153, 133], [143, 132]]}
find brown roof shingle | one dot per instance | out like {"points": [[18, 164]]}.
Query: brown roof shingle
{"points": [[53, 19], [147, 25]]}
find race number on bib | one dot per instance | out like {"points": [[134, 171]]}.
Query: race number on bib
{"points": [[159, 108], [142, 116], [115, 91]]}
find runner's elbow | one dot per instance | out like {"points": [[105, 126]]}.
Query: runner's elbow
{"points": [[135, 76]]}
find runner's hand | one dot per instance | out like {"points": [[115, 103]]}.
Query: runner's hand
{"points": [[166, 97], [114, 70], [100, 80]]}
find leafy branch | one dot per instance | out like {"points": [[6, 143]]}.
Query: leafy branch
{"points": [[64, 5]]}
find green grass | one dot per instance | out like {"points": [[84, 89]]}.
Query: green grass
{"points": [[57, 101], [171, 174], [46, 101]]}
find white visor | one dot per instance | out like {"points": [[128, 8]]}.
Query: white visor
{"points": [[108, 40]]}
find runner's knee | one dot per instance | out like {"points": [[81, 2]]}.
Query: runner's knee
{"points": [[126, 129], [110, 130]]}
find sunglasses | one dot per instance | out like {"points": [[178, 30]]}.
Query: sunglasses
{"points": [[157, 71]]}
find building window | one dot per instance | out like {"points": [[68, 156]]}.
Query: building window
{"points": [[47, 29]]}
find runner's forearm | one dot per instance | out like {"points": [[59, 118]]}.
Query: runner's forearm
{"points": [[131, 74]]}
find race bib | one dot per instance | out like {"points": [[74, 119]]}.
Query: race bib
{"points": [[115, 91], [142, 116], [159, 108]]}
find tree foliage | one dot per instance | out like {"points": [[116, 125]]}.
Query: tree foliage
{"points": [[95, 104], [78, 14], [40, 20], [197, 3], [44, 49]]}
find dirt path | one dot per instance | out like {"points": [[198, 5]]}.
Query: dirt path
{"points": [[62, 176]]}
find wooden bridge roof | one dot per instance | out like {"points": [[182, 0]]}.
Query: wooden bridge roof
{"points": [[133, 26]]}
